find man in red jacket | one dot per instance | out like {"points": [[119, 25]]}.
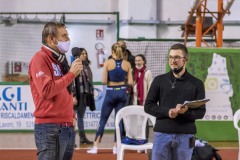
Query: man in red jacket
{"points": [[51, 86]]}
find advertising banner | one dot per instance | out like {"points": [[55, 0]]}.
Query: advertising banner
{"points": [[17, 107], [218, 69]]}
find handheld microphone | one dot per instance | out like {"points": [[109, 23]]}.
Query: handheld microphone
{"points": [[75, 52]]}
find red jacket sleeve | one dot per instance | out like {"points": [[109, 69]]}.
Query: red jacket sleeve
{"points": [[48, 80]]}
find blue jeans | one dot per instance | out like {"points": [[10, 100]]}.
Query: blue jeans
{"points": [[54, 142], [171, 146]]}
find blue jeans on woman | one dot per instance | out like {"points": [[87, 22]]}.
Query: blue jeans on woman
{"points": [[54, 142], [171, 146]]}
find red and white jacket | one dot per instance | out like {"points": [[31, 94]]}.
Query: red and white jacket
{"points": [[53, 102]]}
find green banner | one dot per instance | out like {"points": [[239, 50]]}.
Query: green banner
{"points": [[201, 59], [219, 69]]}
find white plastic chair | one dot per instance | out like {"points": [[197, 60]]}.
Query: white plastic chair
{"points": [[135, 120], [236, 119]]}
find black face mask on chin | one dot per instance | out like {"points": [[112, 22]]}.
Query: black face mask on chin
{"points": [[177, 70]]}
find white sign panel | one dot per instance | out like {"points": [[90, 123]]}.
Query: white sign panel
{"points": [[17, 107], [218, 90]]}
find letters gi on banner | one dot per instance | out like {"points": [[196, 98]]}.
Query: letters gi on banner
{"points": [[17, 107]]}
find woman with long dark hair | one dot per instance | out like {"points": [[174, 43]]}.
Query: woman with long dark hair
{"points": [[142, 78], [84, 92]]}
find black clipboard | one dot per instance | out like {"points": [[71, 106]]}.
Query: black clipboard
{"points": [[195, 104]]}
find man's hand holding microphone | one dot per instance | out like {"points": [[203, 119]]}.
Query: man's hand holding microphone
{"points": [[76, 66]]}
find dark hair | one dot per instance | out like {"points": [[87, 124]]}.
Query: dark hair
{"points": [[181, 47], [75, 52], [123, 45], [117, 49], [80, 52], [128, 52], [51, 28], [143, 58]]}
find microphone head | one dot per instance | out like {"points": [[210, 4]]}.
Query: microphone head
{"points": [[75, 52]]}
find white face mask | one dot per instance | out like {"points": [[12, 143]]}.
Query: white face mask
{"points": [[63, 46]]}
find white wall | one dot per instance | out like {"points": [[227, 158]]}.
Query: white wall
{"points": [[163, 10], [55, 5], [20, 42], [138, 10], [85, 37], [24, 43]]}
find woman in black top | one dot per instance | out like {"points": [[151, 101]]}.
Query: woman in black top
{"points": [[84, 92]]}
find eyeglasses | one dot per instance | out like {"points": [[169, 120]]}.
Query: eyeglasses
{"points": [[175, 58]]}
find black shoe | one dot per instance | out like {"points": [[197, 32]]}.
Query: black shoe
{"points": [[85, 141]]}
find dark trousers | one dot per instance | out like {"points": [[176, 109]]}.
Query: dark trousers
{"points": [[114, 99]]}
